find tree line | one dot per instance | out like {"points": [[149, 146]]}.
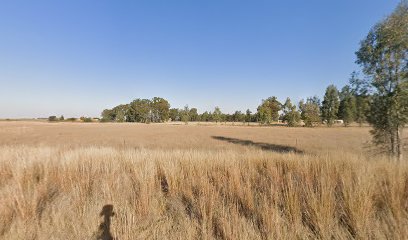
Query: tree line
{"points": [[351, 104]]}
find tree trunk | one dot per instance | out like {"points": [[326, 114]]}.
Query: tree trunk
{"points": [[393, 147], [400, 144]]}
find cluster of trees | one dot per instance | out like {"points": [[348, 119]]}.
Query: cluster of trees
{"points": [[139, 110], [381, 97], [350, 105], [191, 114], [62, 119], [55, 118]]}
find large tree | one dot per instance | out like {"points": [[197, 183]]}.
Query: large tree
{"points": [[116, 114], [330, 105], [139, 111], [238, 116], [174, 114], [310, 111], [383, 55], [248, 116], [108, 115], [217, 115], [160, 109], [290, 114], [269, 109], [347, 108], [194, 116], [185, 114], [206, 116], [120, 112]]}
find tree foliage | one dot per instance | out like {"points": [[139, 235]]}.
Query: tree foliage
{"points": [[160, 109], [139, 111], [116, 114], [185, 114], [217, 115], [269, 109], [194, 116], [206, 116], [310, 111], [347, 107], [290, 114], [52, 118], [359, 89], [330, 105], [174, 114], [120, 112], [383, 55]]}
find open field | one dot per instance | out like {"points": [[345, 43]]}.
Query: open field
{"points": [[196, 182], [176, 136]]}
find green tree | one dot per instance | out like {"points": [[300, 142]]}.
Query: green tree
{"points": [[174, 114], [119, 112], [194, 117], [185, 114], [383, 56], [248, 116], [269, 109], [362, 109], [310, 111], [228, 117], [238, 116], [160, 109], [290, 114], [347, 108], [330, 105], [116, 114], [86, 119], [52, 118], [359, 89], [206, 116], [108, 115], [217, 115], [139, 111]]}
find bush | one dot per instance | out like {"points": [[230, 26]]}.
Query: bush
{"points": [[105, 120], [52, 118], [86, 119]]}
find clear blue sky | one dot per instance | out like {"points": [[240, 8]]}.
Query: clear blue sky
{"points": [[79, 57]]}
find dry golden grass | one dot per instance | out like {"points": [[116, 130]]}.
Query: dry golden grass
{"points": [[168, 136], [189, 182]]}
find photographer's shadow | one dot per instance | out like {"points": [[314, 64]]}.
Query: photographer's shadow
{"points": [[104, 232]]}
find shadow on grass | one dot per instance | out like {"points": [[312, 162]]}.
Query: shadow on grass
{"points": [[104, 227], [263, 146]]}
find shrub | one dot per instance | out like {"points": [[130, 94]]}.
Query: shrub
{"points": [[52, 118], [87, 119]]}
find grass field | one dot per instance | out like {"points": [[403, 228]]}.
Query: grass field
{"points": [[162, 181]]}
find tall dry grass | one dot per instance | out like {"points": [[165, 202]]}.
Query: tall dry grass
{"points": [[58, 193]]}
